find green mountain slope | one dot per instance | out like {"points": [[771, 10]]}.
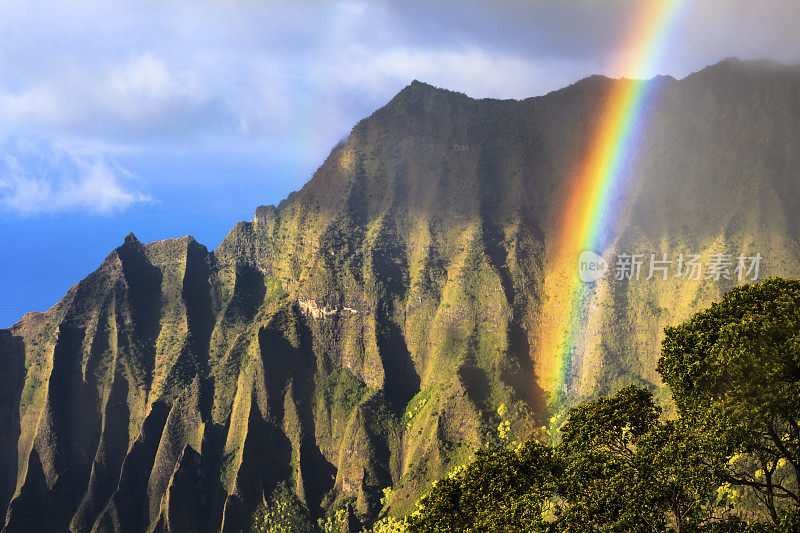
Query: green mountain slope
{"points": [[363, 333]]}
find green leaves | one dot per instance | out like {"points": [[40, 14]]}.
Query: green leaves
{"points": [[618, 468], [611, 424], [282, 512], [628, 471], [728, 463], [502, 490], [734, 370]]}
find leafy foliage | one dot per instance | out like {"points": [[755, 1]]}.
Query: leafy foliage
{"points": [[628, 471], [734, 371], [502, 490], [283, 513], [618, 468]]}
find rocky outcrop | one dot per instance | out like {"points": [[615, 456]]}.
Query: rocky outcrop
{"points": [[362, 334]]}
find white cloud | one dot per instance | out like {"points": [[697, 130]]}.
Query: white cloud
{"points": [[40, 178], [179, 73], [127, 100], [148, 76], [206, 76]]}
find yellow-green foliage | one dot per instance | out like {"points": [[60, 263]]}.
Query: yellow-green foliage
{"points": [[283, 512], [388, 524], [340, 392]]}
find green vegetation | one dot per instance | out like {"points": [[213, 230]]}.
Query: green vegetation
{"points": [[365, 333], [502, 490], [340, 392], [283, 512], [734, 371]]}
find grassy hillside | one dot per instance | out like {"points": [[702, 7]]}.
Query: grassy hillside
{"points": [[362, 334]]}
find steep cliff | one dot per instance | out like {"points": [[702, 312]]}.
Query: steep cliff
{"points": [[362, 334]]}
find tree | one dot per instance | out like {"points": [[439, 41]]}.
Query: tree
{"points": [[282, 512], [501, 490], [626, 470], [617, 468], [734, 371]]}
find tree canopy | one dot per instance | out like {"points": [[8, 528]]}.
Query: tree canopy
{"points": [[734, 372], [728, 462]]}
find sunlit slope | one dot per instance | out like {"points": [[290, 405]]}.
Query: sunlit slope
{"points": [[363, 333]]}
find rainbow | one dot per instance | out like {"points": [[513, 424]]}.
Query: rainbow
{"points": [[587, 221]]}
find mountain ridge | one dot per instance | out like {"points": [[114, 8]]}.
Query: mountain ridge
{"points": [[363, 333]]}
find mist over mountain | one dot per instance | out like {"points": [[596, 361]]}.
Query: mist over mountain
{"points": [[363, 333]]}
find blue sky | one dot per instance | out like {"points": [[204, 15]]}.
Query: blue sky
{"points": [[174, 118]]}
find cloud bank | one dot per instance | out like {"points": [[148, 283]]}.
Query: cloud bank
{"points": [[119, 77]]}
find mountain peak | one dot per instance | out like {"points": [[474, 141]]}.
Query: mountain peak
{"points": [[417, 85], [420, 89], [736, 62], [733, 66]]}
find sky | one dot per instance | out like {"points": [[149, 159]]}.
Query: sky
{"points": [[173, 118]]}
